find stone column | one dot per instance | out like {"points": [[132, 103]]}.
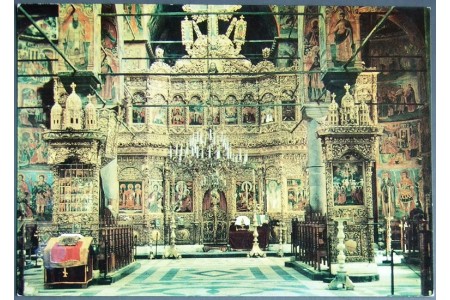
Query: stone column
{"points": [[315, 113]]}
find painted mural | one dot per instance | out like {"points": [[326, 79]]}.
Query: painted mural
{"points": [[35, 194], [130, 195], [31, 112], [196, 112], [400, 144], [400, 191], [183, 196], [155, 197], [77, 34], [273, 192], [245, 196], [341, 35], [312, 55], [296, 195], [26, 51], [135, 29], [288, 21], [110, 60], [348, 183], [31, 149], [178, 113]]}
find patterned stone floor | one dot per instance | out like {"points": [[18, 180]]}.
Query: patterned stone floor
{"points": [[229, 277]]}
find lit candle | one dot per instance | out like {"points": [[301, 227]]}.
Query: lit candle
{"points": [[170, 151]]}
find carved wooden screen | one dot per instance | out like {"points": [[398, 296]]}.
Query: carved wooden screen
{"points": [[75, 188]]}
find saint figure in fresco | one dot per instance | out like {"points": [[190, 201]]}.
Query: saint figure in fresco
{"points": [[406, 192], [42, 193], [155, 200], [74, 42], [387, 194], [343, 38]]}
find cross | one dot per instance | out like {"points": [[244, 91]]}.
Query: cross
{"points": [[333, 96], [347, 87], [90, 98], [65, 273], [73, 86]]}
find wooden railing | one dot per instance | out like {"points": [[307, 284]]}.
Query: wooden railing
{"points": [[116, 247], [310, 241]]}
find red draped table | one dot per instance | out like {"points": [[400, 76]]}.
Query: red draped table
{"points": [[68, 259]]}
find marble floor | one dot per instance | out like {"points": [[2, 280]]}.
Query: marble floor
{"points": [[230, 277]]}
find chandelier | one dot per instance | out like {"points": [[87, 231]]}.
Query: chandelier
{"points": [[208, 154]]}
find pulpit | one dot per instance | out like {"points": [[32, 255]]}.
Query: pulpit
{"points": [[68, 260]]}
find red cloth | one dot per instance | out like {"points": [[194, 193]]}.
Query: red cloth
{"points": [[60, 253]]}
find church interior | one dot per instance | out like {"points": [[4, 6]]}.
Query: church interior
{"points": [[163, 135]]}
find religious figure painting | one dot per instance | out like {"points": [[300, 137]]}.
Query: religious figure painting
{"points": [[77, 34], [139, 115], [245, 196], [110, 60], [348, 183], [341, 36], [32, 114], [31, 149], [136, 28], [296, 194], [196, 114], [183, 196], [158, 115], [35, 194], [399, 100], [400, 191], [273, 193], [155, 197], [130, 195], [400, 144]]}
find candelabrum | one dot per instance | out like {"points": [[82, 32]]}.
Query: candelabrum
{"points": [[205, 151], [172, 251], [341, 281], [256, 251], [280, 248]]}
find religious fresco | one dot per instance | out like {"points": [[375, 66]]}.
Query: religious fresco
{"points": [[178, 113], [287, 53], [35, 194], [341, 35], [273, 194], [268, 114], [196, 114], [400, 191], [348, 183], [135, 29], [77, 34], [288, 21], [398, 100], [130, 195], [26, 52], [296, 195], [400, 144], [288, 105], [31, 149], [155, 199], [245, 196], [231, 112], [249, 115], [31, 112], [183, 196], [158, 115], [110, 60]]}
